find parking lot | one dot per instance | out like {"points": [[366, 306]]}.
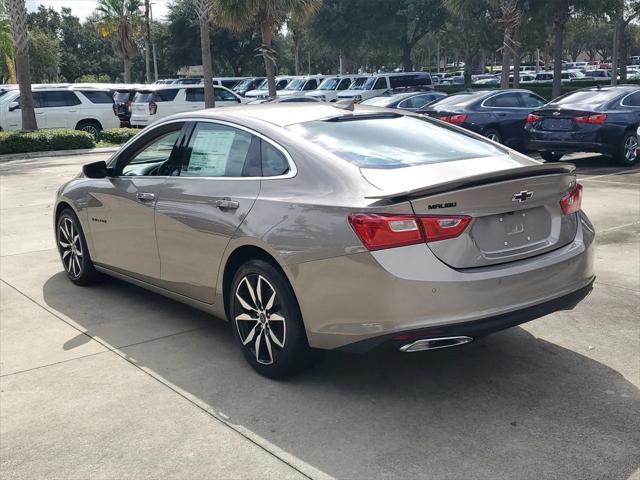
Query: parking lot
{"points": [[115, 382]]}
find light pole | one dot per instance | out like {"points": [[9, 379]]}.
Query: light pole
{"points": [[153, 43]]}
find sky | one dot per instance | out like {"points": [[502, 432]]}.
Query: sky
{"points": [[84, 8]]}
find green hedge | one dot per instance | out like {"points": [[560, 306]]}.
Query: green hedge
{"points": [[44, 140], [118, 136], [542, 89]]}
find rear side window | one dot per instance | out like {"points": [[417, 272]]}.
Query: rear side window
{"points": [[417, 101], [344, 84], [97, 96], [166, 95], [632, 100], [509, 100], [58, 99], [380, 84], [195, 95], [392, 141], [311, 85], [280, 84], [273, 161]]}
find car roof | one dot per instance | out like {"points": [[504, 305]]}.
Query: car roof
{"points": [[280, 114]]}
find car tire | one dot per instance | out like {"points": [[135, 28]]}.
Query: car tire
{"points": [[73, 250], [551, 156], [266, 320], [628, 152], [493, 135], [92, 127]]}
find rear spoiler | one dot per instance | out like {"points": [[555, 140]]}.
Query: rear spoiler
{"points": [[483, 179]]}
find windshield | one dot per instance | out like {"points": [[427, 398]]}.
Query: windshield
{"points": [[297, 84], [393, 141], [244, 84], [329, 84], [357, 83], [366, 85], [264, 84]]}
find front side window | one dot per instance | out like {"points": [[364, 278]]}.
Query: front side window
{"points": [[154, 155], [530, 100], [392, 141], [381, 83], [222, 95], [221, 151], [417, 101]]}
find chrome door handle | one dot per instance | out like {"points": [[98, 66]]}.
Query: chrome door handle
{"points": [[227, 203], [145, 197]]}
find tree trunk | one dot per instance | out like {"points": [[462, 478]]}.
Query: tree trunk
{"points": [[267, 55], [615, 56], [406, 56], [127, 69], [559, 24], [147, 42], [296, 56], [207, 65], [517, 57], [18, 16], [506, 58], [624, 51]]}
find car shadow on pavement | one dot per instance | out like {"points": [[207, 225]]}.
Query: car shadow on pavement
{"points": [[508, 406]]}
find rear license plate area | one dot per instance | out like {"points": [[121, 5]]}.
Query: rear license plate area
{"points": [[557, 124], [512, 230]]}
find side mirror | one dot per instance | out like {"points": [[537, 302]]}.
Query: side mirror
{"points": [[14, 106], [95, 169]]}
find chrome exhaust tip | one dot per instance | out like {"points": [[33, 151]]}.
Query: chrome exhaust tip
{"points": [[434, 343]]}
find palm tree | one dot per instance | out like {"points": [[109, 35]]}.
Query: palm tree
{"points": [[267, 16], [512, 20], [18, 17], [203, 11], [121, 22]]}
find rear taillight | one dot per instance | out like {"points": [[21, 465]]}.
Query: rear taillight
{"points": [[598, 119], [571, 201], [115, 109], [436, 227], [532, 118], [380, 231], [153, 108], [455, 119]]}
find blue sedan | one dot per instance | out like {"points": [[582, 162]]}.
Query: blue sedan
{"points": [[595, 119], [499, 115]]}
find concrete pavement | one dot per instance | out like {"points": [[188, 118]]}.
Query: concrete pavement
{"points": [[115, 382]]}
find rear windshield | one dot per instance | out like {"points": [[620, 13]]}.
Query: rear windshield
{"points": [[143, 97], [457, 100], [590, 97], [121, 97], [393, 142]]}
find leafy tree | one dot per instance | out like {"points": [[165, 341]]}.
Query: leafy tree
{"points": [[624, 12], [6, 45], [265, 16], [121, 22], [18, 17], [44, 53], [416, 18]]}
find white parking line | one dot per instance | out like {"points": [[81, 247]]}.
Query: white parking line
{"points": [[605, 175]]}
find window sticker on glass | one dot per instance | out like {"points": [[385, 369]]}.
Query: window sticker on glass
{"points": [[210, 153]]}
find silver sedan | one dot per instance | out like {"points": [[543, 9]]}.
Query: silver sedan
{"points": [[322, 227]]}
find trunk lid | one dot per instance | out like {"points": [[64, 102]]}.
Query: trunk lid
{"points": [[563, 120], [516, 212]]}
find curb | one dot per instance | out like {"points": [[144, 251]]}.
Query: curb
{"points": [[56, 153]]}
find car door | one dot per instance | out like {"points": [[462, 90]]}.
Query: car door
{"points": [[59, 109], [121, 207], [199, 211], [507, 115], [194, 98]]}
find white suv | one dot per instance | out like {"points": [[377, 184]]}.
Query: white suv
{"points": [[328, 90], [300, 86], [79, 108], [158, 102], [263, 89], [380, 83]]}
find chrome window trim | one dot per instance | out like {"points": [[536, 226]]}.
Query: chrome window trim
{"points": [[293, 169], [502, 108]]}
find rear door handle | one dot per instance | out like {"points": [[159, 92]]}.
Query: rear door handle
{"points": [[227, 204], [145, 197]]}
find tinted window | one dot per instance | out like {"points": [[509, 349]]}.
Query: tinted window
{"points": [[195, 95], [530, 100], [273, 161], [416, 101], [380, 83], [229, 83], [409, 80], [344, 84], [222, 95], [58, 99], [311, 85], [632, 100], [166, 95], [221, 151], [503, 100], [393, 142], [121, 97], [97, 96], [280, 84], [158, 151]]}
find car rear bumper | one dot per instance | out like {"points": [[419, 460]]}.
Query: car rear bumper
{"points": [[373, 296], [560, 142], [139, 121]]}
